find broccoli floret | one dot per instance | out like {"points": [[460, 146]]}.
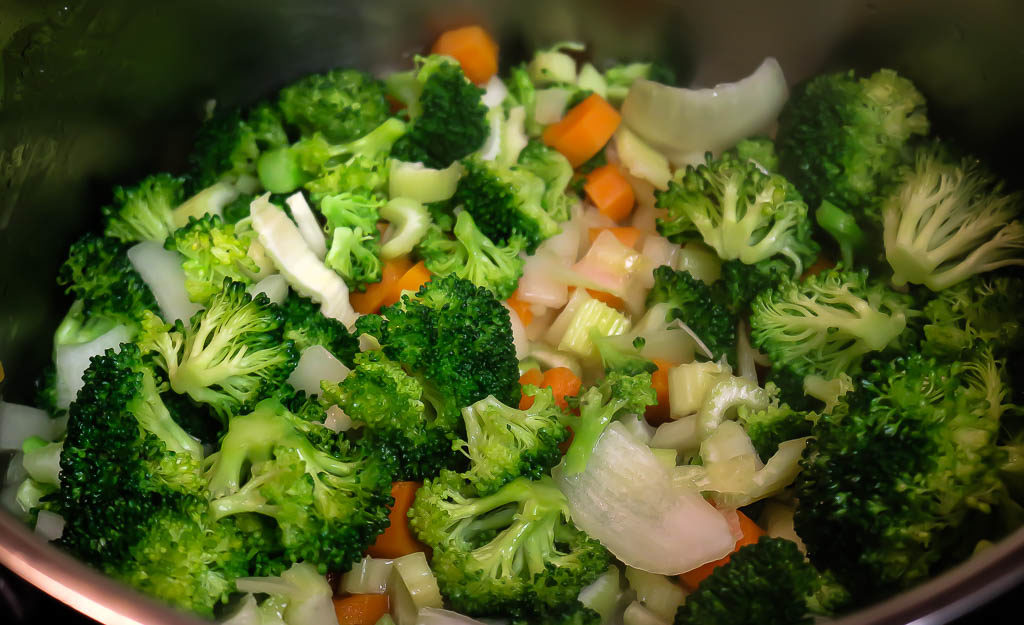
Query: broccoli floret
{"points": [[228, 145], [742, 283], [549, 165], [228, 354], [354, 250], [844, 139], [618, 395], [104, 283], [908, 482], [949, 221], [306, 326], [842, 226], [522, 92], [503, 443], [456, 335], [981, 310], [761, 150], [449, 119], [618, 354], [739, 211], [828, 322], [328, 508], [400, 420], [213, 250], [144, 212], [299, 596], [775, 424], [513, 552], [505, 202], [704, 308], [474, 257], [343, 104], [767, 582]]}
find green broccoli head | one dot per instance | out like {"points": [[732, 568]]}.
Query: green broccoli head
{"points": [[105, 285], [144, 212], [328, 505], [828, 322], [449, 119], [454, 334], [704, 308], [742, 283], [775, 424], [355, 256], [213, 251], [738, 210], [949, 221], [619, 354], [343, 104], [981, 311], [400, 420], [768, 582], [845, 139], [472, 256], [306, 326], [228, 145], [513, 552], [228, 354], [554, 169], [503, 443], [910, 478], [761, 150], [505, 202]]}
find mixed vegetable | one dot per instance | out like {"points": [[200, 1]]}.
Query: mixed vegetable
{"points": [[569, 346]]}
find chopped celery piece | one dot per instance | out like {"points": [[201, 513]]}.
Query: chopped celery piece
{"points": [[729, 393], [656, 593], [43, 463], [689, 385], [408, 221], [412, 586], [665, 456], [550, 105], [426, 185], [701, 261], [680, 435], [590, 79], [369, 577], [641, 160], [637, 614], [592, 315], [603, 594], [554, 66], [30, 492]]}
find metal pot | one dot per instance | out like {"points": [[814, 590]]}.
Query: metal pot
{"points": [[98, 92]]}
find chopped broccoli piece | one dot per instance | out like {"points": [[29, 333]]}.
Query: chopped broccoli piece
{"points": [[354, 249], [456, 335], [449, 119], [844, 139], [742, 283], [979, 311], [213, 250], [828, 322], [949, 221], [549, 165], [144, 212], [739, 211], [619, 354], [842, 226], [343, 104], [228, 354], [472, 256], [761, 150], [775, 424], [704, 308], [228, 145], [103, 281], [306, 326], [328, 506]]}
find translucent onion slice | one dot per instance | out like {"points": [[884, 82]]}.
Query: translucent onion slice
{"points": [[18, 422], [71, 361], [315, 365], [683, 124], [161, 271]]}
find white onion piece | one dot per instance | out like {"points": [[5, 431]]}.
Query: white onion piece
{"points": [[49, 525], [683, 124], [680, 435], [659, 250], [627, 499], [209, 201], [18, 422], [439, 616], [519, 339], [161, 271], [550, 105], [274, 286], [696, 339], [71, 361], [538, 286], [15, 469], [641, 160], [316, 364], [495, 92], [746, 365], [305, 591], [337, 420], [639, 429], [247, 613], [308, 226]]}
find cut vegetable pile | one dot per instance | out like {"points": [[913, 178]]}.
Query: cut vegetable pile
{"points": [[572, 345]]}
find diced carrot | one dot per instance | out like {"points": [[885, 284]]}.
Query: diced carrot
{"points": [[360, 609], [473, 48], [584, 130], [822, 263], [563, 383], [612, 300], [659, 413], [610, 192], [397, 540], [411, 280], [522, 308], [627, 235], [370, 300], [751, 534], [534, 377]]}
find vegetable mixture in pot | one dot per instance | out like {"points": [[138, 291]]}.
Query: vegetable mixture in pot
{"points": [[573, 345]]}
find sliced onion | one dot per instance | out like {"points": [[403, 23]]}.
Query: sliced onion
{"points": [[315, 365], [495, 92], [680, 435], [274, 286], [308, 226], [337, 420], [641, 160], [161, 271], [746, 365], [18, 422], [519, 339], [71, 361], [209, 201], [683, 124], [49, 525], [627, 499], [538, 286], [550, 105]]}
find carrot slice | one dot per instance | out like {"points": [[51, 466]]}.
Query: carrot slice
{"points": [[584, 130], [370, 300], [610, 191], [751, 534], [473, 48], [563, 383], [360, 609], [820, 264], [397, 540], [534, 377], [627, 235], [411, 280], [659, 413], [612, 300], [522, 308]]}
